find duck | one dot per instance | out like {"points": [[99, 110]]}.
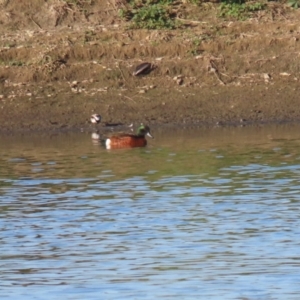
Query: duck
{"points": [[95, 119], [128, 140]]}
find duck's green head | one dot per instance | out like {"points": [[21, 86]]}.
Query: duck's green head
{"points": [[144, 130]]}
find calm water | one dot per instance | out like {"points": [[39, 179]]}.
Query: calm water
{"points": [[198, 214]]}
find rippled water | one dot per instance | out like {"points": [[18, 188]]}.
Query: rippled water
{"points": [[198, 214]]}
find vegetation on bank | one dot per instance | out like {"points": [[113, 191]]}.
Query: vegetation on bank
{"points": [[159, 14], [165, 14], [140, 14]]}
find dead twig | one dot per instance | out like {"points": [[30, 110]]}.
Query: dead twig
{"points": [[129, 99], [190, 21], [122, 73], [218, 76], [213, 69], [37, 24]]}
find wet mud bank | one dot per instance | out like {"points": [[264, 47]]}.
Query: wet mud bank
{"points": [[213, 106]]}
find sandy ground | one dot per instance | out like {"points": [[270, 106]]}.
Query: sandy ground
{"points": [[57, 68]]}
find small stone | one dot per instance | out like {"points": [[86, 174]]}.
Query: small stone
{"points": [[179, 81], [142, 91], [177, 77], [266, 76], [74, 84]]}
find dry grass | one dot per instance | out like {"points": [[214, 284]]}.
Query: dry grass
{"points": [[62, 41]]}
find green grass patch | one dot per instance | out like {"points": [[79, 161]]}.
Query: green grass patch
{"points": [[150, 14], [80, 3], [240, 9], [294, 3]]}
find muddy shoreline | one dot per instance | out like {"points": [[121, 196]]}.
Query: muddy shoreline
{"points": [[222, 106], [213, 73]]}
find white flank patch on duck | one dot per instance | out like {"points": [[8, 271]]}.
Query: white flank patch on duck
{"points": [[108, 144]]}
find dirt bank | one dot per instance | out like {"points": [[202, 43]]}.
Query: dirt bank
{"points": [[60, 64]]}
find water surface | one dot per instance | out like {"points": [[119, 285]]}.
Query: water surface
{"points": [[197, 214]]}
